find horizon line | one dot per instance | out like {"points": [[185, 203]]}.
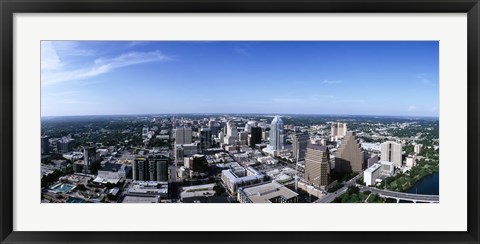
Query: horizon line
{"points": [[232, 113]]}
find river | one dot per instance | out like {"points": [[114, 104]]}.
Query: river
{"points": [[428, 185]]}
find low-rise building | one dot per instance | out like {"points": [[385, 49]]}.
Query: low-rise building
{"points": [[236, 177], [377, 172], [268, 192]]}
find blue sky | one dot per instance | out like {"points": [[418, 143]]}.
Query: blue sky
{"points": [[279, 77]]}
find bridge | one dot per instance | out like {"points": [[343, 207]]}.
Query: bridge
{"points": [[402, 195]]}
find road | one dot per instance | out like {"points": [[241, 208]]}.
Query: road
{"points": [[403, 195], [331, 196]]}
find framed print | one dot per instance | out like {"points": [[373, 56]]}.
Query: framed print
{"points": [[160, 121]]}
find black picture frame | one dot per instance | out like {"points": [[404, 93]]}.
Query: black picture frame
{"points": [[9, 7]]}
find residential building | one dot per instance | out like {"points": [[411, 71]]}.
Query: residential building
{"points": [[391, 151]]}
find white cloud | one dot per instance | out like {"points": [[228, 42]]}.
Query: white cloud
{"points": [[136, 43], [412, 108], [242, 51], [424, 79], [103, 66], [332, 81], [49, 57]]}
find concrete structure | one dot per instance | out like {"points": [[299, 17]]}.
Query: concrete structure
{"points": [[162, 170], [300, 142], [65, 145], [232, 133], [145, 131], [417, 148], [112, 173], [90, 160], [373, 159], [237, 176], [371, 147], [139, 169], [411, 160], [45, 145], [276, 134], [377, 172], [255, 136], [268, 192], [317, 165], [338, 130], [148, 189], [183, 135], [150, 170], [249, 125], [205, 136], [197, 191], [391, 151], [350, 155]]}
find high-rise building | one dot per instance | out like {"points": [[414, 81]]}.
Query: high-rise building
{"points": [[243, 137], [300, 142], [140, 169], [232, 133], [276, 134], [183, 135], [317, 165], [45, 145], [249, 125], [145, 131], [392, 152], [256, 136], [150, 169], [350, 155], [65, 145], [162, 170], [205, 135], [339, 130], [417, 148], [90, 160]]}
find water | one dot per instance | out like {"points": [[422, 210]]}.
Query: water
{"points": [[428, 185], [63, 188]]}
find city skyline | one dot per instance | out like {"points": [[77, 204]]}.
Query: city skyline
{"points": [[267, 77]]}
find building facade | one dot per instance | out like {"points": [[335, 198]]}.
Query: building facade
{"points": [[45, 145], [300, 142], [276, 134], [391, 151], [183, 135], [317, 165], [267, 192], [350, 155], [338, 130], [255, 136]]}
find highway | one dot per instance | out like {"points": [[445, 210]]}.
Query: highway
{"points": [[402, 195]]}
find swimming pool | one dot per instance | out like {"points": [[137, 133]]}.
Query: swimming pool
{"points": [[75, 200], [62, 187]]}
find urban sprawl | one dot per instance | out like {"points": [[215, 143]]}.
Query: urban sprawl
{"points": [[236, 159]]}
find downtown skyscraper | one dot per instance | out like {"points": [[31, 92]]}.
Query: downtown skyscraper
{"points": [[276, 134]]}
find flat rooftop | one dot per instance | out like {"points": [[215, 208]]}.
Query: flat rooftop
{"points": [[262, 193], [138, 199]]}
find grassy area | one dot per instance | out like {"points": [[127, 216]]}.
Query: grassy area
{"points": [[353, 195]]}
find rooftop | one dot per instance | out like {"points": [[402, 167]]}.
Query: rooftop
{"points": [[262, 193]]}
